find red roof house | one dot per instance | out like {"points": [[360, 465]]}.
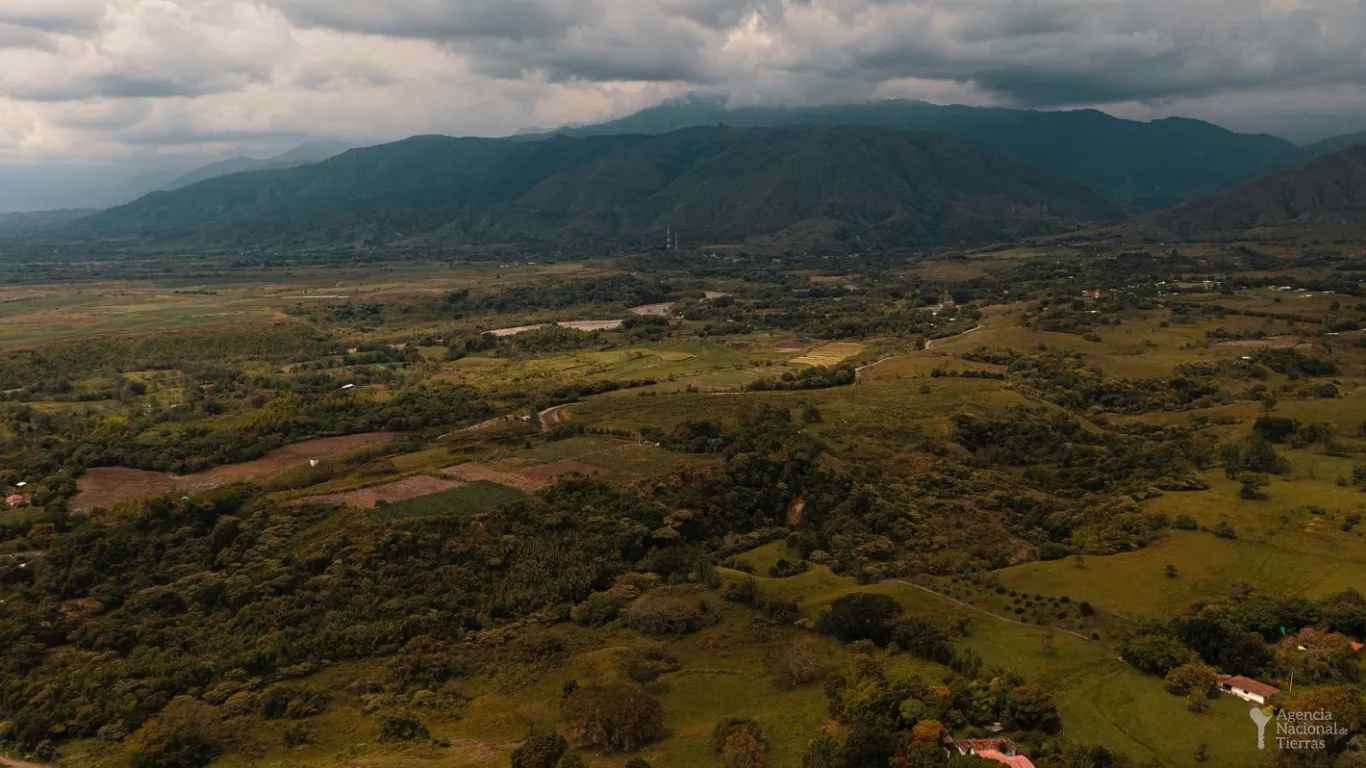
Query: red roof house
{"points": [[1014, 761], [1248, 689], [1000, 749]]}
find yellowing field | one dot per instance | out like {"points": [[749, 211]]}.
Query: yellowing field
{"points": [[829, 354]]}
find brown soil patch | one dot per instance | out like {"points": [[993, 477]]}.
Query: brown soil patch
{"points": [[399, 490], [81, 607], [472, 472], [592, 325], [794, 513], [552, 472], [109, 486], [652, 309], [505, 332]]}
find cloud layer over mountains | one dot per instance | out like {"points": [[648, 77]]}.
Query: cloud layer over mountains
{"points": [[93, 80]]}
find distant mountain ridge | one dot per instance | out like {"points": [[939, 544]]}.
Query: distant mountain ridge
{"points": [[1330, 145], [714, 183], [1146, 166], [1329, 190], [308, 152]]}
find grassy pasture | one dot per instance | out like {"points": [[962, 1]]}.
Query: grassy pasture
{"points": [[473, 497], [872, 404], [1101, 699], [676, 364], [624, 459], [34, 314], [1132, 584]]}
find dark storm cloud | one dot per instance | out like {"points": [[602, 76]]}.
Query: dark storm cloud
{"points": [[53, 16], [16, 36], [514, 20], [119, 85], [1026, 52], [559, 40]]}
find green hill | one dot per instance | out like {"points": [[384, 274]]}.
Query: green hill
{"points": [[1144, 165], [714, 184], [1330, 190]]}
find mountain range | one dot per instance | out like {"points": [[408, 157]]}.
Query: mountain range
{"points": [[863, 171], [1143, 165], [714, 184]]}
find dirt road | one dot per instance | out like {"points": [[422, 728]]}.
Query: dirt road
{"points": [[553, 416], [983, 611], [858, 372], [932, 342]]}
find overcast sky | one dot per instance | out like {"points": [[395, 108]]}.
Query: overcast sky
{"points": [[182, 81]]}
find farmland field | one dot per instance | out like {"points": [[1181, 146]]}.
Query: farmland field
{"points": [[669, 483], [474, 496], [829, 354]]}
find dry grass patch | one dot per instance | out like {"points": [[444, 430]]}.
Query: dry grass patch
{"points": [[829, 354]]}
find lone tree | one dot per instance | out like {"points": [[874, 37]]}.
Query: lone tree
{"points": [[540, 751], [403, 726], [614, 716], [664, 616], [743, 750], [801, 660], [862, 616]]}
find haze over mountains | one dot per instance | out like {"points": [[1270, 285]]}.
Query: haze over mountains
{"points": [[63, 188]]}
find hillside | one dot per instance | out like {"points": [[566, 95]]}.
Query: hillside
{"points": [[1330, 190], [1143, 165], [711, 183]]}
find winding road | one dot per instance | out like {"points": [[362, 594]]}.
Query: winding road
{"points": [[552, 417], [930, 343]]}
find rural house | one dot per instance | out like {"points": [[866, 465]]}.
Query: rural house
{"points": [[1001, 750], [16, 500], [1248, 689]]}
